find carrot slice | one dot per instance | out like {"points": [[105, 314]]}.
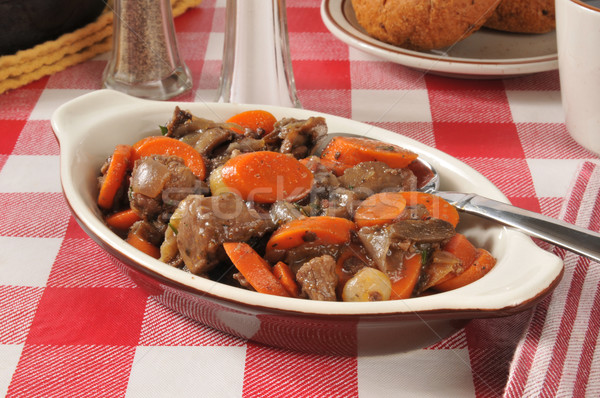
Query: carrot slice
{"points": [[123, 219], [121, 158], [354, 150], [379, 209], [266, 177], [284, 274], [403, 287], [462, 248], [352, 252], [254, 268], [160, 145], [142, 244], [436, 206], [320, 229], [482, 264], [254, 120]]}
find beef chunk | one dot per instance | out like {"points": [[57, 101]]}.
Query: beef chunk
{"points": [[327, 197], [239, 145], [433, 230], [317, 278], [159, 183], [297, 137], [147, 231], [243, 144], [377, 241], [323, 179], [342, 202], [183, 123], [179, 119], [207, 222], [388, 245], [210, 139], [297, 256], [368, 178]]}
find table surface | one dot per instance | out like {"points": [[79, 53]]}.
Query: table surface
{"points": [[72, 325]]}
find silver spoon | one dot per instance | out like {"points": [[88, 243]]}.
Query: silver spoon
{"points": [[568, 236]]}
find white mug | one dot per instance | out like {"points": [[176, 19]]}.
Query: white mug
{"points": [[578, 39]]}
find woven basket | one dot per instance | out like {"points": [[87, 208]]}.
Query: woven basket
{"points": [[28, 65]]}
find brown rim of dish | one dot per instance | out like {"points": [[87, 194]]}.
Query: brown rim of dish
{"points": [[586, 5], [431, 57]]}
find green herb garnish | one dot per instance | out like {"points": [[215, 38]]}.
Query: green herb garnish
{"points": [[425, 255]]}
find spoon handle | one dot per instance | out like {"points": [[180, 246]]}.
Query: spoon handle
{"points": [[568, 236], [257, 67]]}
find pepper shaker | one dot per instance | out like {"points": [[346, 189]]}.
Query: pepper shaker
{"points": [[145, 59]]}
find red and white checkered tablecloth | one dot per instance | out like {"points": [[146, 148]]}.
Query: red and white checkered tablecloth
{"points": [[72, 325]]}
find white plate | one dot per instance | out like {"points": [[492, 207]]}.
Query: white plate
{"points": [[484, 54]]}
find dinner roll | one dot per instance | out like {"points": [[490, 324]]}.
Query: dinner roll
{"points": [[523, 16], [421, 24]]}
